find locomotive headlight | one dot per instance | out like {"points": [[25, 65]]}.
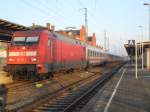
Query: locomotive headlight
{"points": [[10, 59], [34, 59], [31, 53]]}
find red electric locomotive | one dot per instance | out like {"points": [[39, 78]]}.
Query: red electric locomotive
{"points": [[40, 52]]}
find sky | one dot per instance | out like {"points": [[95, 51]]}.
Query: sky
{"points": [[119, 18]]}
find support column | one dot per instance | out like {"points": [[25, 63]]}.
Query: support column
{"points": [[148, 58]]}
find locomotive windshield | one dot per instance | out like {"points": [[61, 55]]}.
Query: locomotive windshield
{"points": [[25, 40], [19, 39], [32, 39]]}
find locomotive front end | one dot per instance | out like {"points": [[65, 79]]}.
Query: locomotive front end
{"points": [[22, 55], [23, 50]]}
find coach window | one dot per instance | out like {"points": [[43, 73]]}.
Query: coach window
{"points": [[88, 52], [91, 53]]}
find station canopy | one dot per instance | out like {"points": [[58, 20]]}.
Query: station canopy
{"points": [[7, 28], [130, 48]]}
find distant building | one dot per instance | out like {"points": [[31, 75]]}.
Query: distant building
{"points": [[81, 35]]}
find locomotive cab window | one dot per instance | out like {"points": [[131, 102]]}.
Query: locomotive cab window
{"points": [[18, 40], [32, 40], [25, 40]]}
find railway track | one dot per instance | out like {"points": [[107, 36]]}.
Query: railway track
{"points": [[68, 87], [21, 93], [18, 84], [71, 100]]}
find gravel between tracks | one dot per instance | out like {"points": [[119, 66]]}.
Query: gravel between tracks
{"points": [[20, 96]]}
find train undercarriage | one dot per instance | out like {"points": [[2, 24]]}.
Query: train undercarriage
{"points": [[29, 72], [26, 72]]}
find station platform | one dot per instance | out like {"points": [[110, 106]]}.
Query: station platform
{"points": [[123, 93]]}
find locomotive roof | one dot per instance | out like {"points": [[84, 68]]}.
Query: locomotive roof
{"points": [[35, 32], [67, 39], [55, 34]]}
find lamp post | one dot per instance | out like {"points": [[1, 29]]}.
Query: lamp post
{"points": [[148, 4], [136, 60], [141, 28]]}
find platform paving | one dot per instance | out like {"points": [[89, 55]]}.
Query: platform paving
{"points": [[123, 93]]}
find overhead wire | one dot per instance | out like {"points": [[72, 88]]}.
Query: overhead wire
{"points": [[65, 19], [35, 7], [91, 16], [61, 12], [89, 12], [44, 12], [53, 12]]}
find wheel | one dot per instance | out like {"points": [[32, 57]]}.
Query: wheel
{"points": [[14, 76], [49, 75], [37, 77]]}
